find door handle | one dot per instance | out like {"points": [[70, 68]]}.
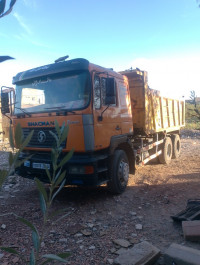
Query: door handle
{"points": [[117, 128]]}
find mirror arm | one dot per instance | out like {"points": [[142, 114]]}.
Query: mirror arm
{"points": [[100, 118]]}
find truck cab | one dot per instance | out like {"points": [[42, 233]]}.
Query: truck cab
{"points": [[94, 102]]}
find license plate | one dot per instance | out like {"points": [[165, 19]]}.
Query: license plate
{"points": [[41, 166]]}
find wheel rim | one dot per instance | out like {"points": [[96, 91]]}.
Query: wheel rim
{"points": [[123, 172], [169, 150]]}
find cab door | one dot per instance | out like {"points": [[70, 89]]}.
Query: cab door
{"points": [[107, 119]]}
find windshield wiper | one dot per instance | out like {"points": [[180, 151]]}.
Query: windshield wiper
{"points": [[28, 114], [55, 107], [61, 108]]}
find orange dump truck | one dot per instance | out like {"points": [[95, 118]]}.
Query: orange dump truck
{"points": [[115, 121]]}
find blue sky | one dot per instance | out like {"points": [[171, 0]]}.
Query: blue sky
{"points": [[162, 37]]}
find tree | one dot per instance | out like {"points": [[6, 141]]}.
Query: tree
{"points": [[194, 110], [3, 13], [193, 97]]}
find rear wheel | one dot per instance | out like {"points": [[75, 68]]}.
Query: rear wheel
{"points": [[166, 155], [176, 146], [119, 172]]}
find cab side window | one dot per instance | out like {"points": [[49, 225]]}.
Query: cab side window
{"points": [[103, 90], [101, 87], [97, 92]]}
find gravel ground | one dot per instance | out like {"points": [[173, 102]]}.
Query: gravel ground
{"points": [[97, 220]]}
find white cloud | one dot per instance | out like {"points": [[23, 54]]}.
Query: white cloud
{"points": [[22, 23], [173, 76], [27, 34]]}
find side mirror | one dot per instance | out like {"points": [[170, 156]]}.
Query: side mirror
{"points": [[5, 108], [110, 91]]}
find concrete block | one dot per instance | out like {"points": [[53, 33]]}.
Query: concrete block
{"points": [[143, 253], [191, 230], [181, 255]]}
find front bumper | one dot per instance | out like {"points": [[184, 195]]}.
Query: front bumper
{"points": [[75, 175]]}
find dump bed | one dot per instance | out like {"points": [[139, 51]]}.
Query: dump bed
{"points": [[152, 113]]}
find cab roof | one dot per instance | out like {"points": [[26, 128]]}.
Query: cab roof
{"points": [[50, 69]]}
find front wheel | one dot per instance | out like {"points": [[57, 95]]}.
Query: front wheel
{"points": [[119, 172]]}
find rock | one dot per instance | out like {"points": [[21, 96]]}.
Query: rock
{"points": [[133, 213], [74, 229], [91, 247], [42, 244], [90, 225], [15, 191], [86, 232], [113, 250], [78, 235], [110, 261], [12, 179], [133, 240], [63, 240], [178, 254], [191, 230], [122, 243], [140, 217], [102, 233], [143, 253], [6, 188], [3, 226], [138, 227], [120, 251], [79, 241], [134, 235], [15, 260], [1, 255]]}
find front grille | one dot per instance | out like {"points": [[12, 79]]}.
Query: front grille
{"points": [[42, 137]]}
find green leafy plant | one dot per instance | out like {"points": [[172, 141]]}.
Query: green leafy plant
{"points": [[14, 156], [57, 178], [3, 6]]}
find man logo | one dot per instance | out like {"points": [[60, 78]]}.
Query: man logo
{"points": [[41, 136]]}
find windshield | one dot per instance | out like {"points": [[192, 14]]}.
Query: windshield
{"points": [[70, 91]]}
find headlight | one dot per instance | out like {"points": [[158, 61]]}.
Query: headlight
{"points": [[76, 170]]}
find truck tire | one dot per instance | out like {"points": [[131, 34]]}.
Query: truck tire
{"points": [[119, 172], [166, 155], [176, 146]]}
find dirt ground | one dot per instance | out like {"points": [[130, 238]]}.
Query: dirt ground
{"points": [[96, 218]]}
